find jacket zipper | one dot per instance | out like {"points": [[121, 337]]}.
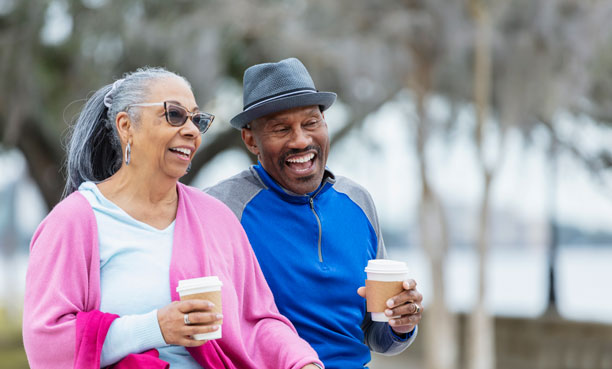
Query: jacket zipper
{"points": [[320, 230]]}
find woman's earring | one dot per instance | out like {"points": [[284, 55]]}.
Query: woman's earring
{"points": [[128, 154], [188, 168]]}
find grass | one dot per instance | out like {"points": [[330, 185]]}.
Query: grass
{"points": [[12, 354]]}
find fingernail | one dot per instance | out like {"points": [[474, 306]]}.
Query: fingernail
{"points": [[219, 316], [215, 327], [390, 303], [210, 304], [388, 312], [392, 322]]}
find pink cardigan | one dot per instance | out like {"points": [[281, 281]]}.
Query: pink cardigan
{"points": [[63, 280]]}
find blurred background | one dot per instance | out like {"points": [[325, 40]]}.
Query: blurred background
{"points": [[482, 128]]}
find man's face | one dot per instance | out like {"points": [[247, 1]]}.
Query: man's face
{"points": [[292, 146]]}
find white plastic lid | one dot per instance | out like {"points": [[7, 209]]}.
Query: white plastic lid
{"points": [[385, 266], [202, 282]]}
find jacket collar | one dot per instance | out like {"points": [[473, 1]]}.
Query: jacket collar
{"points": [[328, 181]]}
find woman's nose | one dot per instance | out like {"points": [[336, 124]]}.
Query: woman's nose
{"points": [[190, 128]]}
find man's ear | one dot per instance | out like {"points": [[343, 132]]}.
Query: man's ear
{"points": [[249, 141], [124, 126]]}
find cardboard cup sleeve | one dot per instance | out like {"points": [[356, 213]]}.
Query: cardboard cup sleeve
{"points": [[378, 292], [213, 296]]}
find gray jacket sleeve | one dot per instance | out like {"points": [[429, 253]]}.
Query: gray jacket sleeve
{"points": [[378, 336], [362, 198], [237, 191]]}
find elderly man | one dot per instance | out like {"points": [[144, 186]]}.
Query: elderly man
{"points": [[313, 232]]}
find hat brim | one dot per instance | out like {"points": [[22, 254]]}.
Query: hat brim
{"points": [[323, 99]]}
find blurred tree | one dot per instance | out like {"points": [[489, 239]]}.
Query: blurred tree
{"points": [[529, 67], [548, 72], [54, 52], [481, 335], [425, 43]]}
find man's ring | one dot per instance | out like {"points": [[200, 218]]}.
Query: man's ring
{"points": [[186, 319], [417, 309]]}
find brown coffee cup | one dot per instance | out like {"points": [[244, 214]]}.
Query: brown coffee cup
{"points": [[204, 288], [385, 280]]}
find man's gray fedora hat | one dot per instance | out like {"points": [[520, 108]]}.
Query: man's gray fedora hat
{"points": [[273, 87]]}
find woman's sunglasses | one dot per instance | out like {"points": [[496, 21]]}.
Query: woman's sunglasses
{"points": [[177, 115]]}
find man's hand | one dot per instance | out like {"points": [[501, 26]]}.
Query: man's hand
{"points": [[406, 305]]}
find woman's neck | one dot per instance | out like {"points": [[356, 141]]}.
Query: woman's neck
{"points": [[151, 199], [141, 187]]}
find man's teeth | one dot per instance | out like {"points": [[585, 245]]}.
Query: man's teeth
{"points": [[302, 159], [181, 150]]}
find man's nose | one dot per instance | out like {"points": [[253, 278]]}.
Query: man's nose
{"points": [[299, 139]]}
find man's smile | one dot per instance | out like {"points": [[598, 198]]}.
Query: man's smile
{"points": [[301, 163]]}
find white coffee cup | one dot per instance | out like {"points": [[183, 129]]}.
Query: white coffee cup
{"points": [[204, 288], [385, 280]]}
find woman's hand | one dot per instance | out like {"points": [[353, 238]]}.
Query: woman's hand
{"points": [[310, 366], [171, 320]]}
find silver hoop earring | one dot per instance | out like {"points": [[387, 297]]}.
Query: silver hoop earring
{"points": [[188, 168], [128, 154]]}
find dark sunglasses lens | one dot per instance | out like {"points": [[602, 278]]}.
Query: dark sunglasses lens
{"points": [[176, 115], [203, 121]]}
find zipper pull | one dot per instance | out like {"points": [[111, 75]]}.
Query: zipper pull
{"points": [[311, 203]]}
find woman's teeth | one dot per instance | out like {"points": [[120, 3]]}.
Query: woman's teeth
{"points": [[181, 150]]}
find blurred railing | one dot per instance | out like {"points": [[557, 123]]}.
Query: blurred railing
{"points": [[549, 342]]}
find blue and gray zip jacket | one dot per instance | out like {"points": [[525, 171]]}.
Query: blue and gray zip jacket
{"points": [[312, 250]]}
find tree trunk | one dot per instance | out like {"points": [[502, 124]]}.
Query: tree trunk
{"points": [[440, 331], [553, 243], [44, 163], [224, 141], [481, 334]]}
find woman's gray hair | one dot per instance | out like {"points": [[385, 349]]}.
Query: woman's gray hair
{"points": [[94, 148]]}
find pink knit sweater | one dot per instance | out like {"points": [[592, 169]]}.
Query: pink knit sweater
{"points": [[63, 279]]}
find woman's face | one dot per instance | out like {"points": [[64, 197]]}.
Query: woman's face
{"points": [[157, 146]]}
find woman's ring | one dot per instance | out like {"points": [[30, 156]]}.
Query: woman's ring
{"points": [[417, 309], [186, 319]]}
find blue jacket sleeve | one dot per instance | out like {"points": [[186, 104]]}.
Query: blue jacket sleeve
{"points": [[380, 338]]}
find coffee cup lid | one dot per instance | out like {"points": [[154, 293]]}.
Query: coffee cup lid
{"points": [[187, 284], [386, 266]]}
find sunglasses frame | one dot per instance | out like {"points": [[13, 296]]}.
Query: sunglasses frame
{"points": [[188, 114]]}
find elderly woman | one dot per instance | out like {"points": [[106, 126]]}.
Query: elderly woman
{"points": [[105, 263]]}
